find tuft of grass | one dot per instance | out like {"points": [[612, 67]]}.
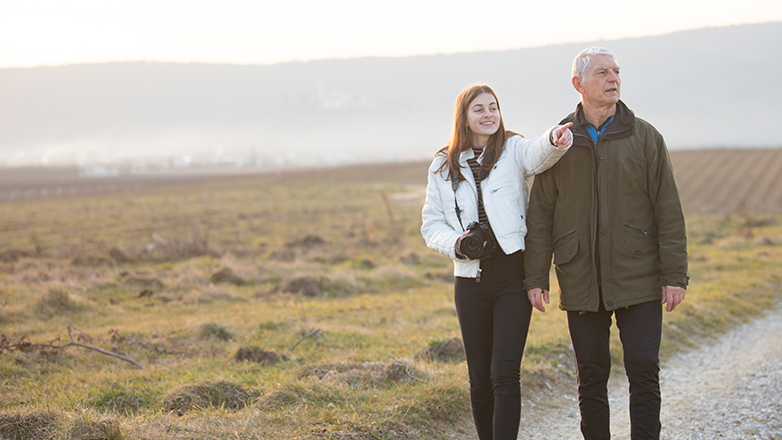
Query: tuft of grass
{"points": [[263, 357], [34, 425], [437, 401], [271, 326], [56, 302], [220, 394], [124, 400], [86, 429], [364, 375], [302, 393], [211, 330], [449, 350]]}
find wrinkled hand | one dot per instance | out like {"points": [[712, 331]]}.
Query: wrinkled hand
{"points": [[562, 136], [537, 296], [673, 296]]}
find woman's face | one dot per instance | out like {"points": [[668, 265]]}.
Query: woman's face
{"points": [[483, 118]]}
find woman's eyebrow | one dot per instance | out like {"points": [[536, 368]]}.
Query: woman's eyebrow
{"points": [[481, 105]]}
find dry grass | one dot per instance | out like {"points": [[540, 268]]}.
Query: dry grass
{"points": [[364, 375], [254, 354], [56, 302], [221, 394], [49, 425], [105, 429], [313, 315], [28, 426]]}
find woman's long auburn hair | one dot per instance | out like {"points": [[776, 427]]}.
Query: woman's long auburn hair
{"points": [[461, 138]]}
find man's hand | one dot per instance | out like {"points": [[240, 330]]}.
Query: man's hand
{"points": [[673, 296], [562, 137], [537, 296]]}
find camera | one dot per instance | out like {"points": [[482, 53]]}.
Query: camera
{"points": [[472, 244]]}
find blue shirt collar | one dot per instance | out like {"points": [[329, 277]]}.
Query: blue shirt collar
{"points": [[595, 133]]}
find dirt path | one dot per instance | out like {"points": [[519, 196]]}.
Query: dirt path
{"points": [[731, 389]]}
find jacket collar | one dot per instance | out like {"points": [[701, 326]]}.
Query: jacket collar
{"points": [[470, 154], [466, 155], [483, 158], [622, 127]]}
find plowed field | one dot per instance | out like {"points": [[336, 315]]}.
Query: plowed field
{"points": [[729, 181]]}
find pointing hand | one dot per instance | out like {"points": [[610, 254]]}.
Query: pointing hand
{"points": [[562, 137]]}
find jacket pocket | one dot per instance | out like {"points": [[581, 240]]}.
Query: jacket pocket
{"points": [[565, 248], [639, 233], [503, 187]]}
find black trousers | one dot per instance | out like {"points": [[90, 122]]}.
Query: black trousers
{"points": [[640, 330], [494, 315]]}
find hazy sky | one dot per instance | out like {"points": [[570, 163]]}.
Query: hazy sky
{"points": [[54, 32]]}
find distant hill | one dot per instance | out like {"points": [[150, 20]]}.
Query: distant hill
{"points": [[714, 87]]}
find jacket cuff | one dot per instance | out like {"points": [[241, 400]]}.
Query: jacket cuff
{"points": [[536, 282], [676, 280]]}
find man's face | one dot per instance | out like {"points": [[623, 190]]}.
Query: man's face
{"points": [[602, 84]]}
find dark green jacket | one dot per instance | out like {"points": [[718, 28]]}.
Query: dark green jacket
{"points": [[610, 214]]}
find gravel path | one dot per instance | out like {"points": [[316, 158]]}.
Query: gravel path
{"points": [[731, 389]]}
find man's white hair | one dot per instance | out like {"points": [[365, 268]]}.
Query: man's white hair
{"points": [[582, 60]]}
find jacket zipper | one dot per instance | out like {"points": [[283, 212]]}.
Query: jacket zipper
{"points": [[597, 220], [639, 230], [597, 199]]}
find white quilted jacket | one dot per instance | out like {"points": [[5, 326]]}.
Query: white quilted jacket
{"points": [[504, 198]]}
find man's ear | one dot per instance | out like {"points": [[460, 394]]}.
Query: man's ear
{"points": [[577, 84]]}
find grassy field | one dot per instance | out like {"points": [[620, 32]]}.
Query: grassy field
{"points": [[295, 305]]}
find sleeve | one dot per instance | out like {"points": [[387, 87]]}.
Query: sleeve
{"points": [[540, 225], [438, 234], [669, 217], [538, 154]]}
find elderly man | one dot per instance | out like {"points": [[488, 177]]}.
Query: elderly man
{"points": [[609, 212]]}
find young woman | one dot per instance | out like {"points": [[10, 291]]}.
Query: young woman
{"points": [[476, 203]]}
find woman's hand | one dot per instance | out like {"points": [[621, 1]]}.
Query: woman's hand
{"points": [[459, 245], [562, 137]]}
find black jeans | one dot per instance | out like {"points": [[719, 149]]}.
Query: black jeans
{"points": [[494, 316], [640, 330]]}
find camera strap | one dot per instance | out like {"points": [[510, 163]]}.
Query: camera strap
{"points": [[454, 185], [480, 173]]}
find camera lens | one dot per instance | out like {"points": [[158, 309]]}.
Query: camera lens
{"points": [[471, 246]]}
